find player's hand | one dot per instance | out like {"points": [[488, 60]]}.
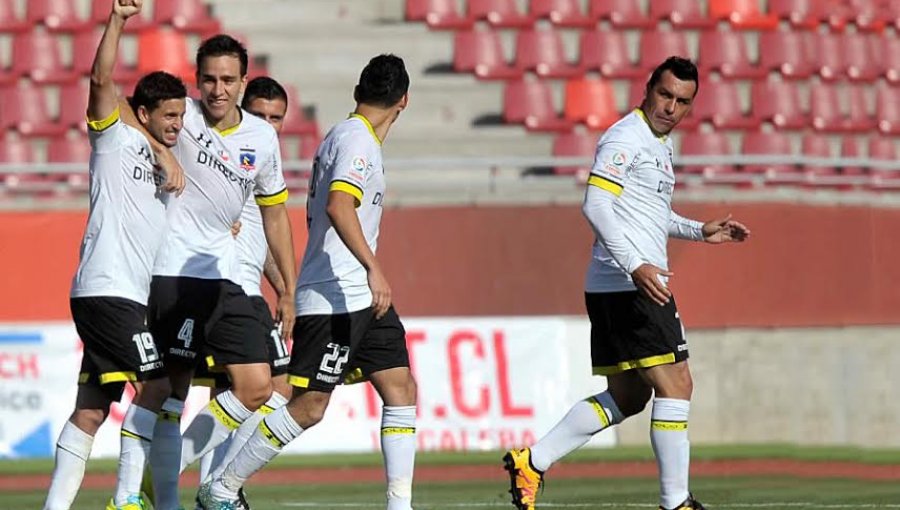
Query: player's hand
{"points": [[175, 180], [127, 8], [381, 292], [725, 230], [286, 315], [646, 279], [236, 228]]}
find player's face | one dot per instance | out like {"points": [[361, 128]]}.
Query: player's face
{"points": [[220, 82], [165, 121], [270, 110], [668, 102]]}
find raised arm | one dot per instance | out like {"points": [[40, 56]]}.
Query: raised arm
{"points": [[103, 98]]}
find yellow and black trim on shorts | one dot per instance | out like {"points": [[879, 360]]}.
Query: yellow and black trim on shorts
{"points": [[605, 184], [273, 199], [102, 124], [297, 381], [651, 361]]}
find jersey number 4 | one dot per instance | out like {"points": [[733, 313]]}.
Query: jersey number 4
{"points": [[186, 333]]}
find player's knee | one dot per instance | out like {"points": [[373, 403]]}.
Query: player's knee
{"points": [[152, 394], [89, 420], [254, 395], [309, 408], [634, 405]]}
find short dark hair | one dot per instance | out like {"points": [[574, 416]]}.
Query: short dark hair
{"points": [[265, 88], [383, 82], [682, 68], [156, 87], [223, 44]]}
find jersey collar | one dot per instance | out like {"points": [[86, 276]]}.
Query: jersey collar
{"points": [[231, 130], [368, 125], [640, 113]]}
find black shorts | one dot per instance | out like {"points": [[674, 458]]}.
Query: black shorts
{"points": [[118, 347], [347, 347], [279, 357], [212, 320], [629, 330]]}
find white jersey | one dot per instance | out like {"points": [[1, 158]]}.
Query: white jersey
{"points": [[636, 165], [127, 219], [331, 278], [252, 249], [222, 169]]}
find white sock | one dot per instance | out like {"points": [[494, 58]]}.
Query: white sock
{"points": [[273, 434], [583, 420], [136, 438], [210, 459], [211, 426], [244, 432], [72, 451], [398, 445], [165, 454], [669, 437]]}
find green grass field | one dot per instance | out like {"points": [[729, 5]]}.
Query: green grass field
{"points": [[739, 492]]}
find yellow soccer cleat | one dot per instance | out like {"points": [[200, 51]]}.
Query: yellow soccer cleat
{"points": [[525, 481], [132, 503]]}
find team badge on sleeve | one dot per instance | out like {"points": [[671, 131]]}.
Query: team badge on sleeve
{"points": [[358, 168], [248, 159]]}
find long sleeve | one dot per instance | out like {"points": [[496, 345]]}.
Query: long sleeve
{"points": [[598, 209], [684, 228]]}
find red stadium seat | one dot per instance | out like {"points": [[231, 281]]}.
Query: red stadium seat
{"points": [[868, 15], [575, 145], [706, 144], [778, 102], [186, 16], [681, 13], [56, 15], [591, 102], [37, 55], [69, 150], [789, 53], [84, 48], [802, 14], [621, 13], [817, 146], [742, 14], [850, 148], [562, 13], [637, 89], [726, 53], [829, 56], [883, 149], [481, 52], [531, 103], [892, 11], [499, 13], [656, 47], [438, 14], [16, 150], [719, 103], [863, 55], [542, 51], [73, 104], [100, 10], [24, 108], [890, 52], [164, 50], [308, 146], [760, 143], [10, 22], [607, 51], [887, 108], [828, 114]]}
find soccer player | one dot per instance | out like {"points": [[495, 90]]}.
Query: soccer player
{"points": [[125, 227], [637, 339], [346, 324], [267, 99], [196, 307]]}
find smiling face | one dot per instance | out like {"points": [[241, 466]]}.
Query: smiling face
{"points": [[667, 102], [163, 122], [220, 83]]}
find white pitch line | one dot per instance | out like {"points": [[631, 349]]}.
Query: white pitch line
{"points": [[782, 504]]}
